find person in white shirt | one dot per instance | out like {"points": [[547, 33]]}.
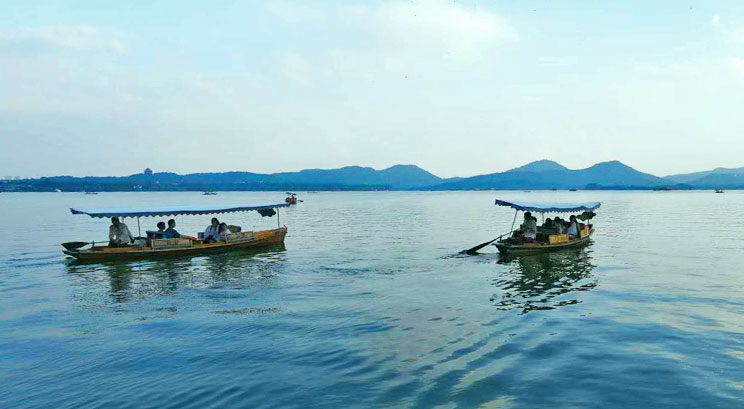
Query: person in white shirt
{"points": [[573, 227], [560, 228], [119, 234], [529, 227], [212, 232]]}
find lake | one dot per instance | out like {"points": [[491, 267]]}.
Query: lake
{"points": [[369, 305]]}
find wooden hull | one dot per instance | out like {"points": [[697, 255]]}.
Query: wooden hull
{"points": [[535, 248], [259, 239]]}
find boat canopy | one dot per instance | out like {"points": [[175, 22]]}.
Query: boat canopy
{"points": [[550, 207], [174, 210]]}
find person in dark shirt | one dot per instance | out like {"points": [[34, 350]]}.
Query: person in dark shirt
{"points": [[171, 230]]}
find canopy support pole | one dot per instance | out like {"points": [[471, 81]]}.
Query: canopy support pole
{"points": [[277, 218], [139, 231], [515, 219]]}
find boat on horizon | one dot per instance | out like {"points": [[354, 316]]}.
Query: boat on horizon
{"points": [[209, 193], [292, 198], [719, 191], [150, 247]]}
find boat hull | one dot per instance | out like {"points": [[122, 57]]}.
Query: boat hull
{"points": [[528, 249], [259, 239]]}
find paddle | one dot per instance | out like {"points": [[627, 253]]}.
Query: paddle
{"points": [[480, 246], [74, 245]]}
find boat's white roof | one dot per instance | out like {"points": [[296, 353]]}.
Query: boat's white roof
{"points": [[552, 207], [170, 210]]}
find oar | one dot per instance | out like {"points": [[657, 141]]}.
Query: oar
{"points": [[480, 246], [74, 245]]}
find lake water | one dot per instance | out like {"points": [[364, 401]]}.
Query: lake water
{"points": [[369, 305]]}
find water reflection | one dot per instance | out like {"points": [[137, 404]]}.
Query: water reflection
{"points": [[124, 281], [542, 282]]}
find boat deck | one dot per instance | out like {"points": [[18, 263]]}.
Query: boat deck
{"points": [[507, 248]]}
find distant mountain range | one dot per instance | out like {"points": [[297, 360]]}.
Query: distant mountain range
{"points": [[539, 175], [547, 174]]}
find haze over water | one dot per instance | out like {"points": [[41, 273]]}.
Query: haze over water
{"points": [[369, 305]]}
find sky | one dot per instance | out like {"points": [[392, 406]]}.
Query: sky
{"points": [[458, 88]]}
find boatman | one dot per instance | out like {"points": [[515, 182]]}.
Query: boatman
{"points": [[119, 234], [529, 227]]}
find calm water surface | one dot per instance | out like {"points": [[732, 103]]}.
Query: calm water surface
{"points": [[369, 305]]}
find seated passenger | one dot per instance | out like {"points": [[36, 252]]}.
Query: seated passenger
{"points": [[224, 231], [171, 230], [161, 234], [119, 234], [573, 227], [548, 224], [560, 227], [212, 232]]}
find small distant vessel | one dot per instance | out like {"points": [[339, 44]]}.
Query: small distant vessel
{"points": [[292, 198], [572, 190], [90, 192], [209, 193], [662, 189], [719, 191], [58, 190], [511, 247], [152, 247]]}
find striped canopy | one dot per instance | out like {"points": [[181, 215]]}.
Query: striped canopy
{"points": [[550, 207], [170, 210]]}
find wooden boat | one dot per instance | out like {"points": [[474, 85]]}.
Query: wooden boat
{"points": [[175, 247], [514, 247]]}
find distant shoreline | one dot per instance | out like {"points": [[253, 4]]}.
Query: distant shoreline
{"points": [[543, 175]]}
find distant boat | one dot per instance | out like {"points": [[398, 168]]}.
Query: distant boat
{"points": [[210, 193], [57, 190], [291, 198], [662, 189], [719, 191], [90, 192], [572, 190]]}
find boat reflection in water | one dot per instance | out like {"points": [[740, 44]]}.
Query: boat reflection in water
{"points": [[545, 281], [125, 281]]}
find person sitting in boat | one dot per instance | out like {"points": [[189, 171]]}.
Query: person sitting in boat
{"points": [[560, 226], [224, 231], [160, 234], [573, 227], [171, 232], [212, 232], [529, 227], [548, 224], [544, 231], [119, 234]]}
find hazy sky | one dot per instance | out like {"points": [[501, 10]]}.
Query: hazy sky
{"points": [[456, 87]]}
